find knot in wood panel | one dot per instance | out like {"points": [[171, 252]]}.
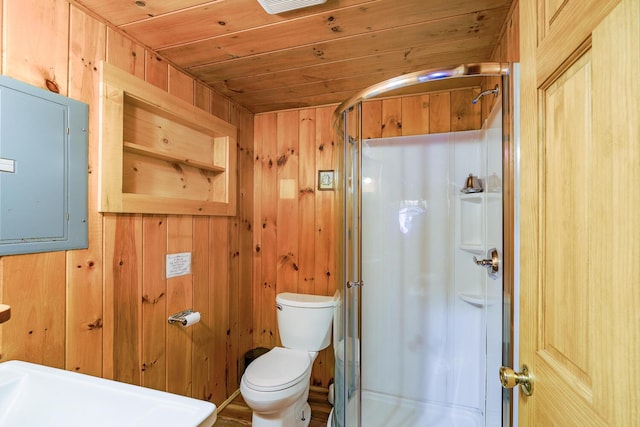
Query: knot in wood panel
{"points": [[307, 190], [288, 258], [147, 299], [97, 324], [52, 85]]}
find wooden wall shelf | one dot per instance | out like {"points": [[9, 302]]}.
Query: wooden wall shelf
{"points": [[160, 154], [146, 151]]}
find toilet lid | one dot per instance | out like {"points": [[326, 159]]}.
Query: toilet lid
{"points": [[278, 369]]}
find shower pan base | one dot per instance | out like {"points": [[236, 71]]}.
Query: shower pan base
{"points": [[380, 410]]}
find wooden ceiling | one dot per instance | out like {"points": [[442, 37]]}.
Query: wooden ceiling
{"points": [[319, 55]]}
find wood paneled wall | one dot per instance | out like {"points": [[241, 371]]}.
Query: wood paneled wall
{"points": [[103, 311], [295, 232], [296, 224], [436, 112], [506, 50]]}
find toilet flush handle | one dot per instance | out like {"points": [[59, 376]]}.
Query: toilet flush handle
{"points": [[279, 307]]}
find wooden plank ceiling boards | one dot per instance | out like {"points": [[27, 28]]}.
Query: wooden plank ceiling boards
{"points": [[318, 55]]}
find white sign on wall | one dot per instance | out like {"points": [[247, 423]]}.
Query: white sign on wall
{"points": [[178, 264]]}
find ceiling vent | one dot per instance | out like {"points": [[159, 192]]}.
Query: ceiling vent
{"points": [[278, 6]]}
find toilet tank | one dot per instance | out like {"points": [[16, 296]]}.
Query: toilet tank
{"points": [[304, 321]]}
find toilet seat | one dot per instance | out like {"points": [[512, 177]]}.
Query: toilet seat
{"points": [[278, 369]]}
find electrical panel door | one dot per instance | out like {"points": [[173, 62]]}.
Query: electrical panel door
{"points": [[43, 170]]}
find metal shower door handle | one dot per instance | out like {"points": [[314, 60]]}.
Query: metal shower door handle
{"points": [[492, 263], [358, 283]]}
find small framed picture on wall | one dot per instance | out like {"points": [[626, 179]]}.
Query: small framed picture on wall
{"points": [[326, 180]]}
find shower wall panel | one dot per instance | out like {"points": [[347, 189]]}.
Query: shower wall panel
{"points": [[466, 383], [419, 340]]}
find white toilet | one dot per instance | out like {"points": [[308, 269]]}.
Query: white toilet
{"points": [[276, 384]]}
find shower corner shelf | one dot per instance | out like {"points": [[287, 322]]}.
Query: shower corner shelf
{"points": [[470, 216], [472, 197], [473, 248], [476, 300]]}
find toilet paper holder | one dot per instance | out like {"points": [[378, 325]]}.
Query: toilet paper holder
{"points": [[185, 317]]}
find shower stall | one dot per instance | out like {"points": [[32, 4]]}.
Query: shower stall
{"points": [[423, 325]]}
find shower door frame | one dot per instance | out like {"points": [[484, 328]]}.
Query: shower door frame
{"points": [[350, 187]]}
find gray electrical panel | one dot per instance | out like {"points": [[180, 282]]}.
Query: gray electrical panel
{"points": [[43, 170]]}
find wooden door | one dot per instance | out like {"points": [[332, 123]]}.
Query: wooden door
{"points": [[580, 219]]}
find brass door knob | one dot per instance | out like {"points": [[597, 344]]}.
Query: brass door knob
{"points": [[510, 378]]}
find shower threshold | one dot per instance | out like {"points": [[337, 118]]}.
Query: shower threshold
{"points": [[380, 410]]}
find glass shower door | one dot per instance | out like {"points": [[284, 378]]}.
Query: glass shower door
{"points": [[430, 319], [347, 409], [412, 347], [412, 374], [494, 302]]}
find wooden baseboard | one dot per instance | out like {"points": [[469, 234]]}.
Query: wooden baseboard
{"points": [[229, 400]]}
